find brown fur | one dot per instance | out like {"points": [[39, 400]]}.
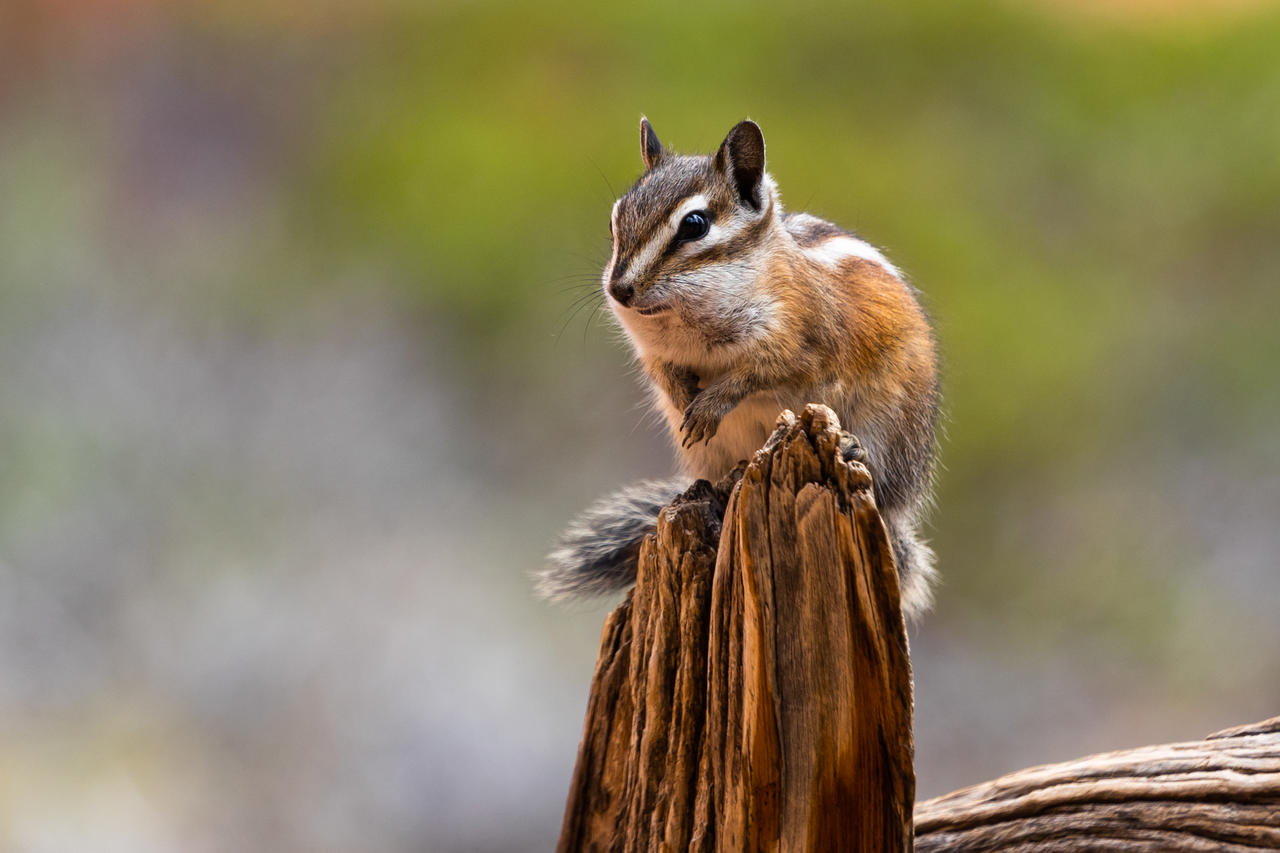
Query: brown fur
{"points": [[732, 328]]}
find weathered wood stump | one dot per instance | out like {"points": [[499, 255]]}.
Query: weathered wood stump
{"points": [[754, 693], [754, 690]]}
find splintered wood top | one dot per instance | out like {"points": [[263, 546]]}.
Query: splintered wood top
{"points": [[754, 690]]}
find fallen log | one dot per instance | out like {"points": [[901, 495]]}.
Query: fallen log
{"points": [[1221, 793]]}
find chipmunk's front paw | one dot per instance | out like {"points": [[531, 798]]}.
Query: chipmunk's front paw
{"points": [[681, 386], [702, 418]]}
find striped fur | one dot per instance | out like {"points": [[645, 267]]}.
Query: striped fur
{"points": [[771, 310]]}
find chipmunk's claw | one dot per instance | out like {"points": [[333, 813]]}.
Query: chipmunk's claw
{"points": [[700, 423]]}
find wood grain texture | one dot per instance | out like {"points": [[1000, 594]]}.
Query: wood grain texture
{"points": [[754, 690], [1221, 794]]}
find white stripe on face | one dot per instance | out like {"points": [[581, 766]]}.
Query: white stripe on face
{"points": [[641, 261], [689, 205], [613, 239], [716, 232], [837, 249]]}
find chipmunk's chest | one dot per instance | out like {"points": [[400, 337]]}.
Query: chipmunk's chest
{"points": [[742, 432]]}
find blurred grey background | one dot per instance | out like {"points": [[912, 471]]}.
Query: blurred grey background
{"points": [[295, 391]]}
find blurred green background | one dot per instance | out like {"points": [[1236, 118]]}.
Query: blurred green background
{"points": [[295, 389]]}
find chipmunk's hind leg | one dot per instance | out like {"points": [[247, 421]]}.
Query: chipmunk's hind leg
{"points": [[913, 557], [851, 449]]}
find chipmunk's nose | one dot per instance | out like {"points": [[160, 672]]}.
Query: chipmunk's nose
{"points": [[623, 293]]}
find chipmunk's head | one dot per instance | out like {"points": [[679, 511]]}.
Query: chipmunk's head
{"points": [[690, 240]]}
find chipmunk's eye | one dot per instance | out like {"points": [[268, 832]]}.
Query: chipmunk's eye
{"points": [[694, 226]]}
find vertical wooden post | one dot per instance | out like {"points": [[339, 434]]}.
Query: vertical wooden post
{"points": [[754, 690]]}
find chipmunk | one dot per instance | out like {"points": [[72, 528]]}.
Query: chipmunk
{"points": [[737, 310]]}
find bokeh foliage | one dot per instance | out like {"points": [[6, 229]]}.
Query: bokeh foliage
{"points": [[1090, 211]]}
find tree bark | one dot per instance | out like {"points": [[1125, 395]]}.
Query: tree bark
{"points": [[1221, 793], [754, 690]]}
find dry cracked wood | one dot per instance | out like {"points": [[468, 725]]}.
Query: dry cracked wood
{"points": [[754, 690], [1221, 794]]}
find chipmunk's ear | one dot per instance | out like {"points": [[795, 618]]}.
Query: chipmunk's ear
{"points": [[741, 159], [651, 150]]}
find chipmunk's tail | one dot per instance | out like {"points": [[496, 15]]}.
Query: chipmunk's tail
{"points": [[598, 552]]}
